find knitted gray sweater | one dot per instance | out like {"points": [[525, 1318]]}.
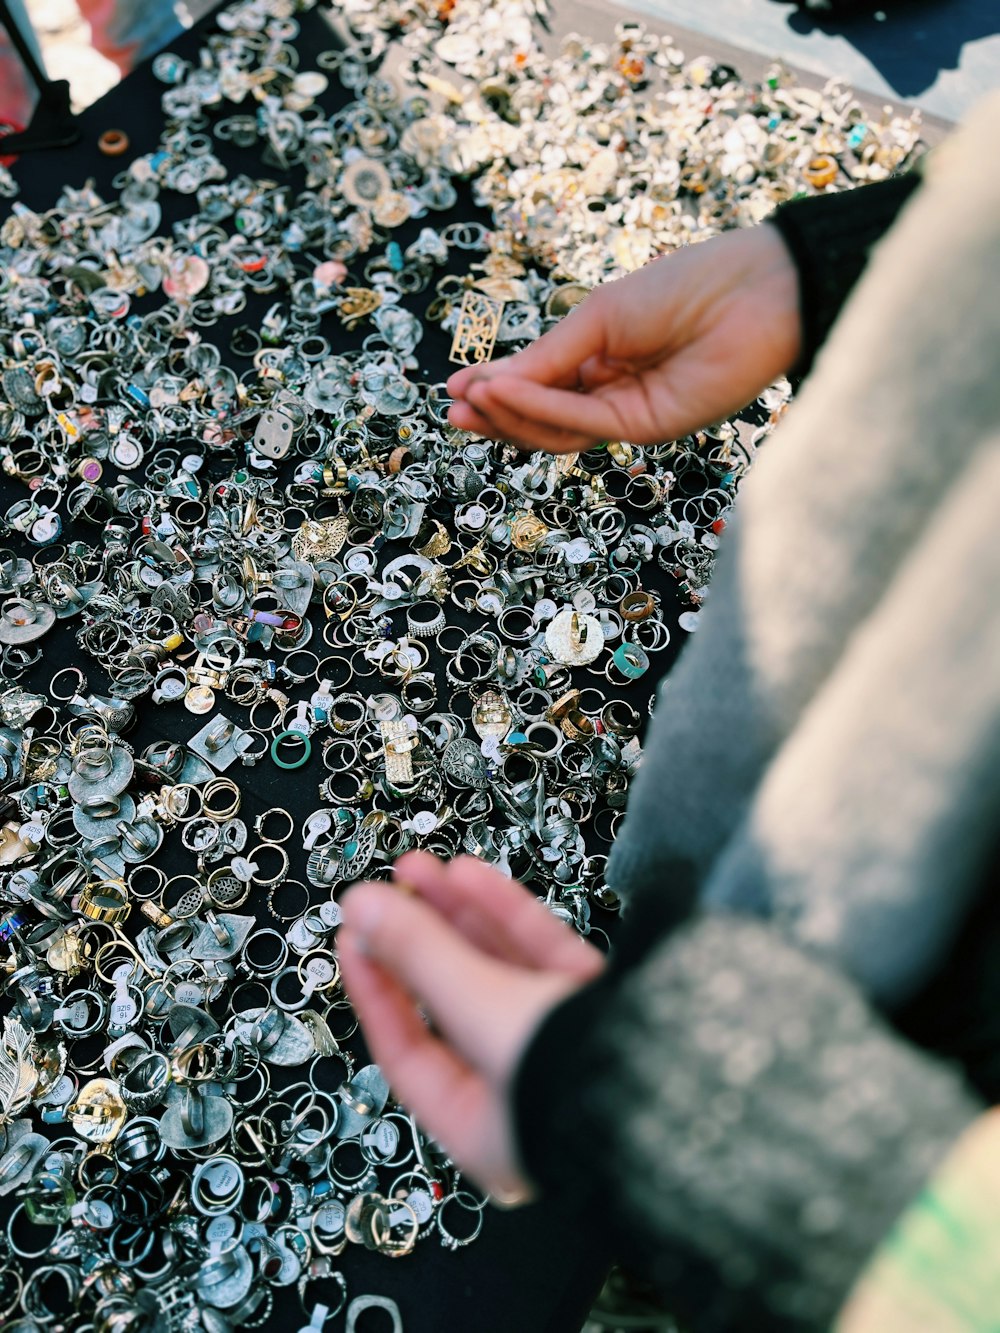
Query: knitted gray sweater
{"points": [[825, 758]]}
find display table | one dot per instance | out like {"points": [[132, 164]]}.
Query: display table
{"points": [[232, 506], [535, 1269]]}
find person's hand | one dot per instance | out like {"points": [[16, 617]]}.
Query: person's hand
{"points": [[682, 343], [485, 961]]}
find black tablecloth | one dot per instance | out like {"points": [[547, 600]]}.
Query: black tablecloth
{"points": [[534, 1269]]}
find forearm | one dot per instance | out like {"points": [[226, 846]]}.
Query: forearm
{"points": [[754, 1128]]}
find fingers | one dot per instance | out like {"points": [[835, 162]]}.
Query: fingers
{"points": [[495, 401], [555, 358], [450, 1100], [422, 871], [597, 371], [396, 951], [465, 417], [494, 407], [462, 990], [458, 383], [498, 915], [596, 415]]}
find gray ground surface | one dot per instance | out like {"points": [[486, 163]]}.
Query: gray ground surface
{"points": [[938, 54], [597, 19]]}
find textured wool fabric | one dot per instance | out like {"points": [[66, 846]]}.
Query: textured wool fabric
{"points": [[750, 1127], [806, 615], [825, 755], [873, 824]]}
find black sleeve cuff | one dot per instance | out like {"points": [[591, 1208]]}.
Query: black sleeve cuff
{"points": [[554, 1137], [830, 238]]}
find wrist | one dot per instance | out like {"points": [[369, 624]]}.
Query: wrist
{"points": [[778, 273]]}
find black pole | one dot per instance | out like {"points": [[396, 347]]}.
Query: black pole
{"points": [[52, 123], [22, 48]]}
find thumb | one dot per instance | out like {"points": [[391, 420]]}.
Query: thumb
{"points": [[554, 358], [473, 1000]]}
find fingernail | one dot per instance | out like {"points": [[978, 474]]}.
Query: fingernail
{"points": [[418, 858], [362, 912], [352, 940]]}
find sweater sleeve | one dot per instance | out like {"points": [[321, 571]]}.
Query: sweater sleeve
{"points": [[830, 238], [750, 1127]]}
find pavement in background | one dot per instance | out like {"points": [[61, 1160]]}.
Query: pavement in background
{"points": [[941, 55]]}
